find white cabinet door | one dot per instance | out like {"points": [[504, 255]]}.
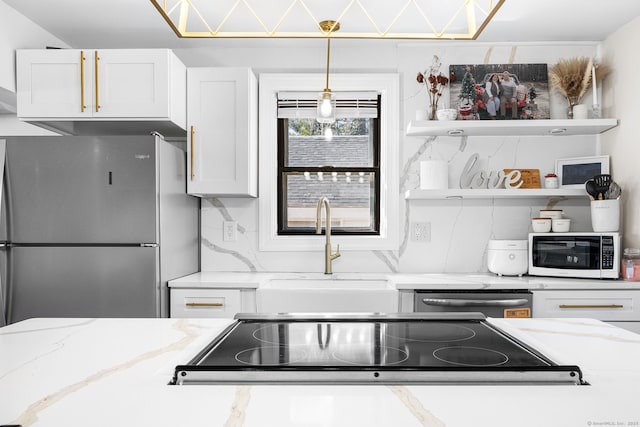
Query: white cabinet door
{"points": [[93, 85], [607, 305], [131, 83], [212, 303], [54, 83], [222, 115]]}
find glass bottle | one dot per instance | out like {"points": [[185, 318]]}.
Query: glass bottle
{"points": [[631, 264]]}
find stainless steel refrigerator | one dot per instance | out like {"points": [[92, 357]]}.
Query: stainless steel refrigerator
{"points": [[93, 226]]}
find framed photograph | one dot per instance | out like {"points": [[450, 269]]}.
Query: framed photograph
{"points": [[471, 90], [574, 172]]}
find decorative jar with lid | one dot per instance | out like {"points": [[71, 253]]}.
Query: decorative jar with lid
{"points": [[551, 180], [631, 264]]}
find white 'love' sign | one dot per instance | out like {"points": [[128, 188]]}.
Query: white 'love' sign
{"points": [[473, 178]]}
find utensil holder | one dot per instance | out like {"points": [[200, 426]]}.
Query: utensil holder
{"points": [[605, 215]]}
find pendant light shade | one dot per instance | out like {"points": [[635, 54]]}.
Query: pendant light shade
{"points": [[326, 112]]}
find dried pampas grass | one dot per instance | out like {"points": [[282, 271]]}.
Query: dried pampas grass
{"points": [[572, 77]]}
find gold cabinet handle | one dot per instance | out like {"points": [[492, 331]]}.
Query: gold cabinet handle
{"points": [[204, 304], [591, 306], [82, 59], [96, 59], [193, 156]]}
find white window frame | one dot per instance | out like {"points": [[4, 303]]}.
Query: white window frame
{"points": [[385, 84]]}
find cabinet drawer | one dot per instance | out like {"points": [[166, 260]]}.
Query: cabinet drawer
{"points": [[205, 302], [601, 305]]}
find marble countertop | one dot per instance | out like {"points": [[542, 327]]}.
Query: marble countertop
{"points": [[403, 281], [114, 372]]}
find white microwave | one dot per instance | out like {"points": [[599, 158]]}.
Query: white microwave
{"points": [[582, 255]]}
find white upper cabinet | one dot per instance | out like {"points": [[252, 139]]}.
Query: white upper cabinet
{"points": [[141, 89], [131, 83], [222, 147], [53, 83]]}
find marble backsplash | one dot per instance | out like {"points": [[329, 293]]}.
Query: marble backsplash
{"points": [[460, 229]]}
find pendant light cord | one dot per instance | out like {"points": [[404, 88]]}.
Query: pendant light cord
{"points": [[326, 85]]}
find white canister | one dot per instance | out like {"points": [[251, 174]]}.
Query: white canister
{"points": [[507, 257], [605, 215], [434, 175]]}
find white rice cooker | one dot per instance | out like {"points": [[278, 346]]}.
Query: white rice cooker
{"points": [[507, 257]]}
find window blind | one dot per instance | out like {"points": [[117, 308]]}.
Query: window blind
{"points": [[302, 105]]}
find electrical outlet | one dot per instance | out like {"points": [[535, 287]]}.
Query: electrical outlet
{"points": [[229, 231], [421, 231]]}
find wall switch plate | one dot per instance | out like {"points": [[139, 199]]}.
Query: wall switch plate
{"points": [[229, 231], [420, 231]]}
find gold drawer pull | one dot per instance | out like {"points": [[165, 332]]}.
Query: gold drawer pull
{"points": [[82, 59], [96, 61], [204, 304], [193, 155], [591, 306]]}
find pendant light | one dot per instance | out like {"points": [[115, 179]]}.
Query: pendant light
{"points": [[326, 112]]}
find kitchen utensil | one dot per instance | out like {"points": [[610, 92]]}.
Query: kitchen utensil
{"points": [[602, 181], [590, 186], [613, 192]]}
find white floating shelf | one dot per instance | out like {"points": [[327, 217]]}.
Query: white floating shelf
{"points": [[510, 127], [473, 193]]}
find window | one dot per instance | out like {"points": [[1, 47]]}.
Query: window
{"points": [[340, 161], [365, 232]]}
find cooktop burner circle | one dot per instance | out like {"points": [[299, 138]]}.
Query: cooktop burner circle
{"points": [[442, 332], [273, 355], [295, 334], [362, 355], [470, 356]]}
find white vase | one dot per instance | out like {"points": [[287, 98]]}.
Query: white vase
{"points": [[422, 115], [580, 112]]}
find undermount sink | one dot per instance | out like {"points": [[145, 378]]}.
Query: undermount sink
{"points": [[332, 284], [301, 295]]}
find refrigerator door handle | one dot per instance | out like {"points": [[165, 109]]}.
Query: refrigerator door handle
{"points": [[3, 291], [148, 245], [3, 158]]}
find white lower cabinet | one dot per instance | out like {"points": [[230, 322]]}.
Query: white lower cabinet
{"points": [[618, 307], [219, 303]]}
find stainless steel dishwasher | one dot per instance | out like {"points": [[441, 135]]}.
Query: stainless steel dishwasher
{"points": [[494, 303]]}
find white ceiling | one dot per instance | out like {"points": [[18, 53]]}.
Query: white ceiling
{"points": [[136, 23]]}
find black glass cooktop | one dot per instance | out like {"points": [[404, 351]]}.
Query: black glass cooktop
{"points": [[369, 348]]}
